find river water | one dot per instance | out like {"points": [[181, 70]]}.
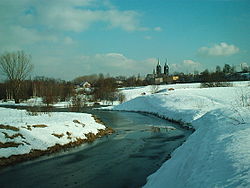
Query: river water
{"points": [[125, 159]]}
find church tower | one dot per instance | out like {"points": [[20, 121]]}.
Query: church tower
{"points": [[166, 68], [158, 68]]}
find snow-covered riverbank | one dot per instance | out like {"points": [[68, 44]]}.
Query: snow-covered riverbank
{"points": [[217, 154], [22, 133]]}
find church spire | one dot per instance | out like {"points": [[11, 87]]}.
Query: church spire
{"points": [[158, 68], [166, 68]]}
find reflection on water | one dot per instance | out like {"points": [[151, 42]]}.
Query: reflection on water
{"points": [[162, 129]]}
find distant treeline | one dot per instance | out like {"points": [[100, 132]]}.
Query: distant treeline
{"points": [[103, 87], [220, 74], [51, 90]]}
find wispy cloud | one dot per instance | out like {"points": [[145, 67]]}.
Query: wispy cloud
{"points": [[191, 63], [157, 29], [187, 66], [75, 15], [221, 49], [113, 63], [148, 37], [32, 24]]}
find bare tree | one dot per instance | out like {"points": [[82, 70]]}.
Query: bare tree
{"points": [[154, 88], [16, 66]]}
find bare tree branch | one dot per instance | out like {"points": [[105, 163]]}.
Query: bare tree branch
{"points": [[16, 66]]}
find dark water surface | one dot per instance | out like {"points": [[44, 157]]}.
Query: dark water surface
{"points": [[122, 160]]}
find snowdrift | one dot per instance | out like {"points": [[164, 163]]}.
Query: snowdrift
{"points": [[217, 154]]}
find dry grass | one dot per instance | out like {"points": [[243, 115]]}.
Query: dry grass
{"points": [[101, 132], [69, 134], [8, 127], [13, 136], [39, 126], [98, 120], [58, 135], [78, 122], [56, 148], [28, 127], [9, 144], [90, 137]]}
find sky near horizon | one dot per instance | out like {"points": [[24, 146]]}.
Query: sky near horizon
{"points": [[71, 38]]}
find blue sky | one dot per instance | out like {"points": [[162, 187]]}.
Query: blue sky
{"points": [[70, 38]]}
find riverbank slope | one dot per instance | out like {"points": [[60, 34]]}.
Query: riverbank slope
{"points": [[217, 154], [25, 136]]}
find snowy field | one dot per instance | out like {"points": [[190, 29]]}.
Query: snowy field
{"points": [[217, 154], [21, 133]]}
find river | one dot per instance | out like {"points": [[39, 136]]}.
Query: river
{"points": [[137, 149]]}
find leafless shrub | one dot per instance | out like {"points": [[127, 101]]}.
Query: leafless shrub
{"points": [[215, 84], [241, 105], [154, 88], [77, 102], [121, 97], [242, 97], [33, 111]]}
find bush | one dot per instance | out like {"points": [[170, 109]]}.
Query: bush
{"points": [[154, 89], [77, 103], [243, 97], [215, 84], [121, 97]]}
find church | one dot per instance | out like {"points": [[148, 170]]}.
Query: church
{"points": [[159, 76]]}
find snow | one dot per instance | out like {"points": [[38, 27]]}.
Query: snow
{"points": [[70, 125], [217, 154]]}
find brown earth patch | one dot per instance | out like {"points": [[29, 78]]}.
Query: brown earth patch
{"points": [[58, 135], [69, 134], [9, 144], [56, 148], [98, 120], [78, 122], [28, 127], [39, 126], [13, 136], [8, 127]]}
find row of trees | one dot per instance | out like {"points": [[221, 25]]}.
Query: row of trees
{"points": [[220, 74], [50, 90], [16, 67], [121, 81]]}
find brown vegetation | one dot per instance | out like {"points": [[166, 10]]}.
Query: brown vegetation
{"points": [[13, 136], [78, 122], [58, 135], [215, 84], [39, 126], [98, 120], [8, 127], [56, 148], [9, 144]]}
